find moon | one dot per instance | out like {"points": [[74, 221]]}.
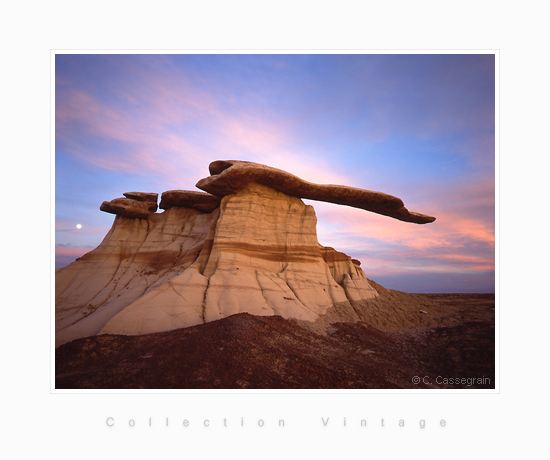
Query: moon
{"points": [[79, 226]]}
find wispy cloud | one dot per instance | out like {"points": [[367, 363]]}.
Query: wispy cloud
{"points": [[174, 130], [461, 240], [421, 128], [67, 253]]}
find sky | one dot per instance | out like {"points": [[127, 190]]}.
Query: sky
{"points": [[417, 126]]}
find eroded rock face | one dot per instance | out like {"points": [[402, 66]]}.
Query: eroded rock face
{"points": [[136, 257], [265, 259], [256, 253]]}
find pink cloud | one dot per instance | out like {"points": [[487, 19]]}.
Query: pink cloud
{"points": [[67, 253], [158, 141], [462, 239]]}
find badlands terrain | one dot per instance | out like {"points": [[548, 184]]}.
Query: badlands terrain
{"points": [[270, 352], [229, 288]]}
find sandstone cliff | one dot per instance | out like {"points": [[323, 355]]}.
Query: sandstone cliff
{"points": [[252, 248]]}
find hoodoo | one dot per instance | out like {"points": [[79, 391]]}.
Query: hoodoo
{"points": [[247, 245]]}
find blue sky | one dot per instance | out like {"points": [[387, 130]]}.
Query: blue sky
{"points": [[417, 126]]}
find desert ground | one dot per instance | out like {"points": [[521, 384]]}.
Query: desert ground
{"points": [[450, 346]]}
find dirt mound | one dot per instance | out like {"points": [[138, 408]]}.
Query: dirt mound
{"points": [[391, 310], [245, 351]]}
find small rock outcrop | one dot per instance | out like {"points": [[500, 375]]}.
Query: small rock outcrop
{"points": [[186, 199], [136, 205], [249, 245]]}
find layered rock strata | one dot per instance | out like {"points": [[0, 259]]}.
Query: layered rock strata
{"points": [[205, 258]]}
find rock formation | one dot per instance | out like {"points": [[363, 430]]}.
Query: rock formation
{"points": [[136, 205], [227, 177], [186, 199], [249, 245]]}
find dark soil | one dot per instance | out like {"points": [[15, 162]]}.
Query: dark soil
{"points": [[252, 352]]}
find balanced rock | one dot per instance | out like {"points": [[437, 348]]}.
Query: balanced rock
{"points": [[137, 205], [200, 201], [205, 258], [229, 176], [142, 196]]}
